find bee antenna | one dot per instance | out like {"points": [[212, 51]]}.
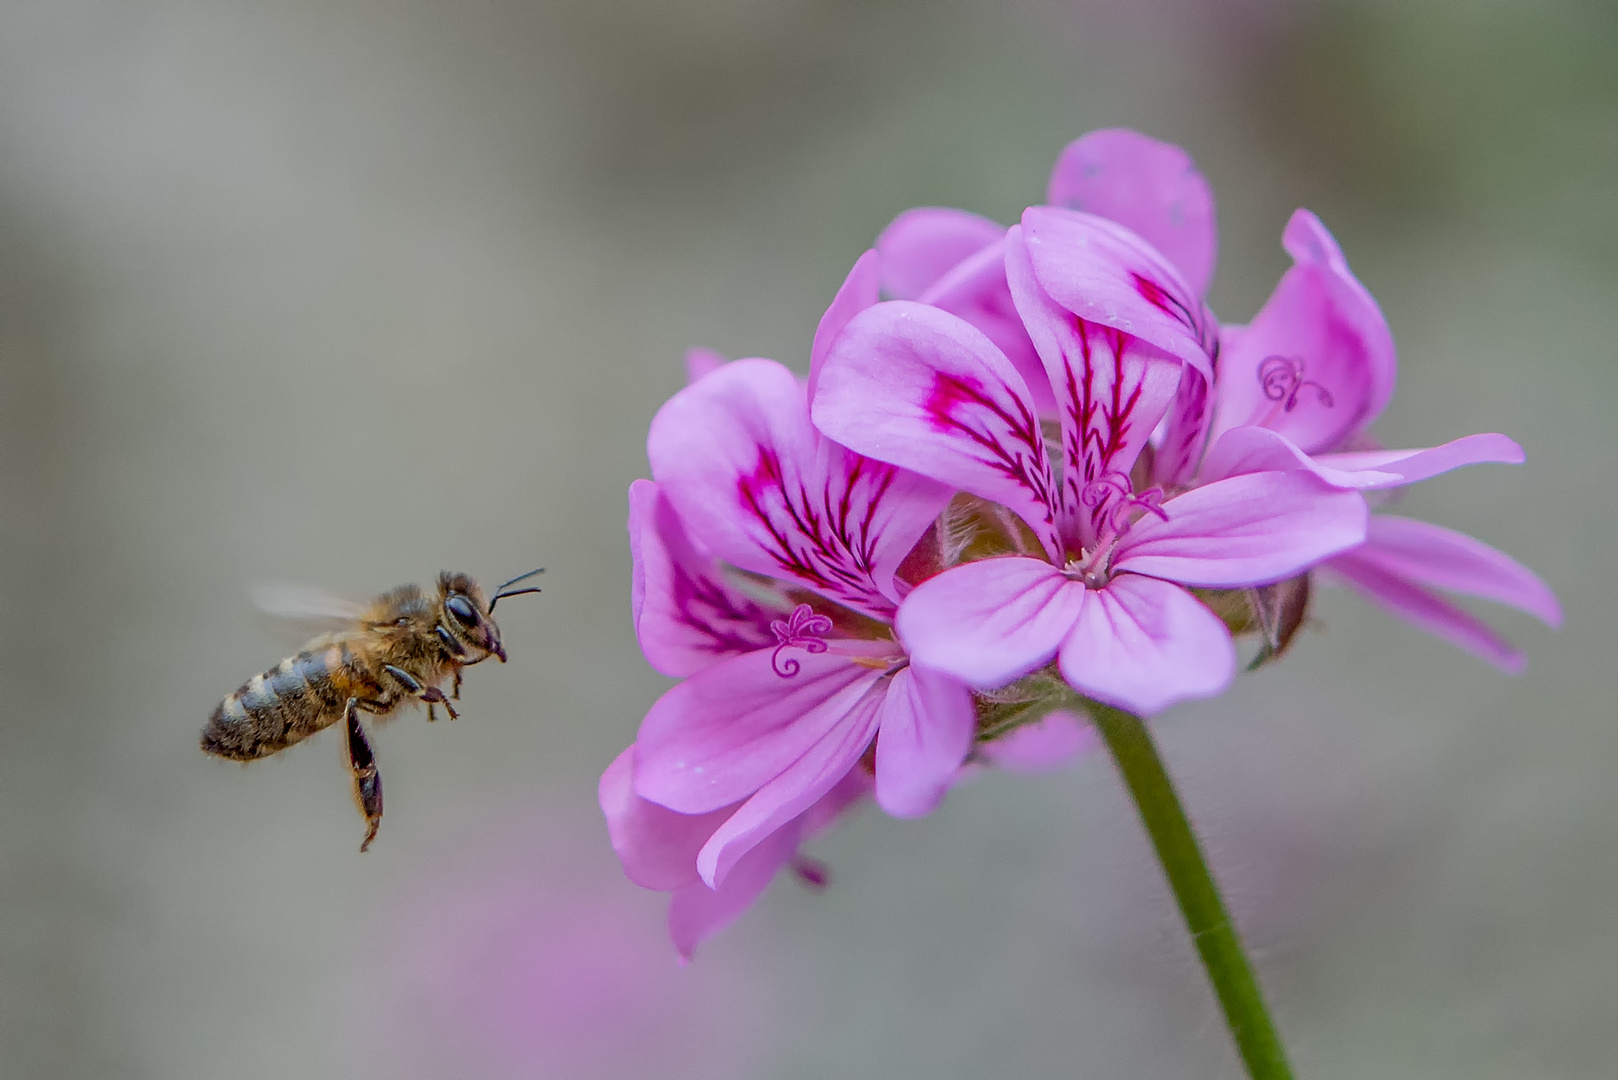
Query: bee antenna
{"points": [[501, 593], [519, 577], [515, 592]]}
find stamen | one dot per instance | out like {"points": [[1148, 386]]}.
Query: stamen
{"points": [[1113, 498], [1116, 501], [1150, 500], [801, 630], [1282, 379], [1107, 486]]}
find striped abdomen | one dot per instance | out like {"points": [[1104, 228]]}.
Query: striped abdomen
{"points": [[270, 712]]}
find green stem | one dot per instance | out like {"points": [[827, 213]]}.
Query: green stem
{"points": [[1211, 929]]}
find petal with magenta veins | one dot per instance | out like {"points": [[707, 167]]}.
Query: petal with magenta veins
{"points": [[657, 846], [1152, 188], [1406, 600], [859, 290], [698, 912], [1143, 645], [1105, 274], [687, 616], [1317, 363], [976, 290], [925, 730], [796, 788], [1245, 530], [755, 482], [917, 387], [727, 731], [920, 246], [1446, 559], [990, 621], [1111, 390]]}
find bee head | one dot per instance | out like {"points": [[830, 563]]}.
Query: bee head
{"points": [[466, 624]]}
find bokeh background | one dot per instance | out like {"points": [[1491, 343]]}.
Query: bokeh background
{"points": [[346, 292]]}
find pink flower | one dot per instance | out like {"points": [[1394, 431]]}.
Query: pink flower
{"points": [[690, 615], [1044, 449], [1315, 367], [765, 571], [1102, 583]]}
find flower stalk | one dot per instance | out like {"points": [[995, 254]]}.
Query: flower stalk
{"points": [[1211, 930]]}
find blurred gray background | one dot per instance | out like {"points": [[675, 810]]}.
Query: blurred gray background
{"points": [[347, 292]]}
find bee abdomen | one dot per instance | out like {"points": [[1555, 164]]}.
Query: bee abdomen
{"points": [[278, 708]]}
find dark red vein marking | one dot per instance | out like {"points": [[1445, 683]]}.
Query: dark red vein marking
{"points": [[1098, 423], [1018, 462], [1193, 318], [823, 545]]}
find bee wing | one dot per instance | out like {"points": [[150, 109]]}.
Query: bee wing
{"points": [[311, 608]]}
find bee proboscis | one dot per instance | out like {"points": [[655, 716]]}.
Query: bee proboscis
{"points": [[399, 648]]}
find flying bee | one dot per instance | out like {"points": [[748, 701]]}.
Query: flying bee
{"points": [[397, 649]]}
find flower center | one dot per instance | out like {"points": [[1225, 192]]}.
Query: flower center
{"points": [[1114, 506]]}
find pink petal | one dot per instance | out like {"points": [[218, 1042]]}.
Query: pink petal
{"points": [[1413, 465], [924, 244], [796, 788], [757, 485], [1107, 275], [700, 362], [860, 290], [914, 386], [988, 622], [1152, 188], [1111, 390], [728, 730], [1317, 364], [1255, 449], [1053, 742], [1186, 433], [840, 800], [1246, 530], [1143, 644], [658, 846], [927, 723], [1415, 605], [1446, 559], [698, 912], [976, 291], [687, 615]]}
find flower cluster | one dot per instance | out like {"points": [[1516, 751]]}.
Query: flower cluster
{"points": [[1039, 473]]}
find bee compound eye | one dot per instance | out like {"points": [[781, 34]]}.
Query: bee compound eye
{"points": [[463, 611]]}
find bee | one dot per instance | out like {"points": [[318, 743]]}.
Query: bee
{"points": [[397, 649]]}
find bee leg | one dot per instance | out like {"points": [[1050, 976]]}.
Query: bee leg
{"points": [[455, 692], [432, 695], [362, 766]]}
